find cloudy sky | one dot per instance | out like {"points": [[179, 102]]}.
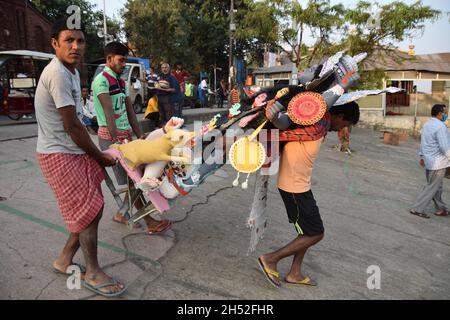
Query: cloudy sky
{"points": [[434, 40]]}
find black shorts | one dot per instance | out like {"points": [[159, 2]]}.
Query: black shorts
{"points": [[302, 210]]}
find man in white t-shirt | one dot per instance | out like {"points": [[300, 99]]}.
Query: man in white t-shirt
{"points": [[70, 161], [89, 115], [204, 88]]}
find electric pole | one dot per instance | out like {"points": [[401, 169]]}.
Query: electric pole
{"points": [[230, 64], [105, 31]]}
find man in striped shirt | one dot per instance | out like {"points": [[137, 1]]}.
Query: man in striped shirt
{"points": [[435, 157]]}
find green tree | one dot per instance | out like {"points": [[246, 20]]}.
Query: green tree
{"points": [[376, 31], [281, 25], [89, 17], [195, 32], [257, 28], [394, 22], [335, 28], [156, 29], [208, 39]]}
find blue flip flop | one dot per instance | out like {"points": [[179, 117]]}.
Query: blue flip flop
{"points": [[97, 288]]}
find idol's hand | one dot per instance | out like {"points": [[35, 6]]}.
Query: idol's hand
{"points": [[174, 123], [273, 109], [347, 72]]}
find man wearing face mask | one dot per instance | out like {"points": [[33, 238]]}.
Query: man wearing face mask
{"points": [[435, 157]]}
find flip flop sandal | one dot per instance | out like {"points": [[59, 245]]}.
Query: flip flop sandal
{"points": [[125, 222], [163, 226], [97, 288], [269, 272], [419, 214], [81, 267], [305, 282], [443, 213]]}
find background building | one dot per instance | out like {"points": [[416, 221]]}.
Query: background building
{"points": [[277, 70], [23, 27], [425, 80]]}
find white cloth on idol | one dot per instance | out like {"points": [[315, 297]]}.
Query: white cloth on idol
{"points": [[257, 221]]}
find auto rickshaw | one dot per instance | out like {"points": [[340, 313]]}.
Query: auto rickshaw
{"points": [[19, 75]]}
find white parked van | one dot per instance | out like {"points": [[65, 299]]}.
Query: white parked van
{"points": [[133, 73]]}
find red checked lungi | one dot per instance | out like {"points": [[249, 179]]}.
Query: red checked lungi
{"points": [[103, 133], [76, 182]]}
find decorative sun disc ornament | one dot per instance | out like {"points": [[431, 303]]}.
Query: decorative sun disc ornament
{"points": [[307, 108], [247, 156]]}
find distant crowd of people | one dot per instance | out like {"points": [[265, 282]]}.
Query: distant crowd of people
{"points": [[173, 90], [170, 92]]}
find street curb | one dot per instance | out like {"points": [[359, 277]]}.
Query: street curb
{"points": [[189, 116], [15, 123]]}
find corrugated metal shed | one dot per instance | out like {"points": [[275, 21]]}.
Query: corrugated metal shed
{"points": [[276, 69], [401, 61]]}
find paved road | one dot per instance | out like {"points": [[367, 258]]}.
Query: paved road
{"points": [[363, 201]]}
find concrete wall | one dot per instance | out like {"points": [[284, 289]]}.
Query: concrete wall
{"points": [[374, 119], [440, 95], [404, 124], [371, 118], [424, 104], [371, 102]]}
